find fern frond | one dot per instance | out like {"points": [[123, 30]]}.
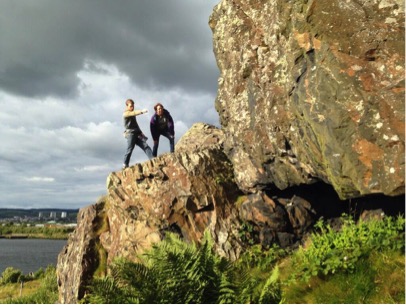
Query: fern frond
{"points": [[105, 291], [271, 292], [227, 290]]}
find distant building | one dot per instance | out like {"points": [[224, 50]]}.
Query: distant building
{"points": [[71, 225], [41, 215], [52, 215], [63, 215], [51, 224]]}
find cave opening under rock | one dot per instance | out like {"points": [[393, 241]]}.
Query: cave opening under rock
{"points": [[327, 204]]}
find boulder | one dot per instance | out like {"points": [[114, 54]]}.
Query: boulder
{"points": [[312, 91]]}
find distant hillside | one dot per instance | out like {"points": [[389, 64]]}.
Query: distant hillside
{"points": [[10, 213]]}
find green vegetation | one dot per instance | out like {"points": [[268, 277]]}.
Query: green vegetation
{"points": [[101, 225], [330, 251], [40, 288], [10, 275], [378, 278], [177, 272], [246, 233], [50, 232], [364, 262]]}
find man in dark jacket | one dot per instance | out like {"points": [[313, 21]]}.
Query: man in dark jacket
{"points": [[162, 124], [133, 132]]}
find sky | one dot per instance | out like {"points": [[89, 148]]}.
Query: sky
{"points": [[66, 69]]}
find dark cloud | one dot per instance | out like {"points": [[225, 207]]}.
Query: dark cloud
{"points": [[159, 44], [66, 69]]}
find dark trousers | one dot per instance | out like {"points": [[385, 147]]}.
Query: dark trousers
{"points": [[171, 139], [140, 141]]}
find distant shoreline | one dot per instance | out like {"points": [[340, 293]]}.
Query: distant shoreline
{"points": [[14, 236], [29, 237]]}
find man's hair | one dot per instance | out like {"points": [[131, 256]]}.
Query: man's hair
{"points": [[129, 101], [158, 104]]}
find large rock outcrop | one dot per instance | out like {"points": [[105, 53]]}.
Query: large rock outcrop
{"points": [[188, 192], [313, 90], [185, 191]]}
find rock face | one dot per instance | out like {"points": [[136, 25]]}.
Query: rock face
{"points": [[187, 192], [313, 90], [79, 259]]}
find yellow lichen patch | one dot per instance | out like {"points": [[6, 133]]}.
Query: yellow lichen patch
{"points": [[303, 40], [316, 43]]}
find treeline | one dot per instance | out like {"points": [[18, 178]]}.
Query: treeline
{"points": [[24, 231]]}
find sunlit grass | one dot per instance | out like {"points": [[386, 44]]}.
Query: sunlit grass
{"points": [[378, 279], [14, 290], [390, 278], [43, 290]]}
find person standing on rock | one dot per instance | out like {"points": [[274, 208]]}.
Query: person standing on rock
{"points": [[133, 132], [162, 124]]}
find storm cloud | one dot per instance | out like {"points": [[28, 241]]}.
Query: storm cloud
{"points": [[66, 69]]}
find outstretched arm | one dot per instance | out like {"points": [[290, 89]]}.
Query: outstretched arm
{"points": [[127, 113]]}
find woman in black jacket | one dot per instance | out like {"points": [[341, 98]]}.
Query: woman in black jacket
{"points": [[162, 124]]}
